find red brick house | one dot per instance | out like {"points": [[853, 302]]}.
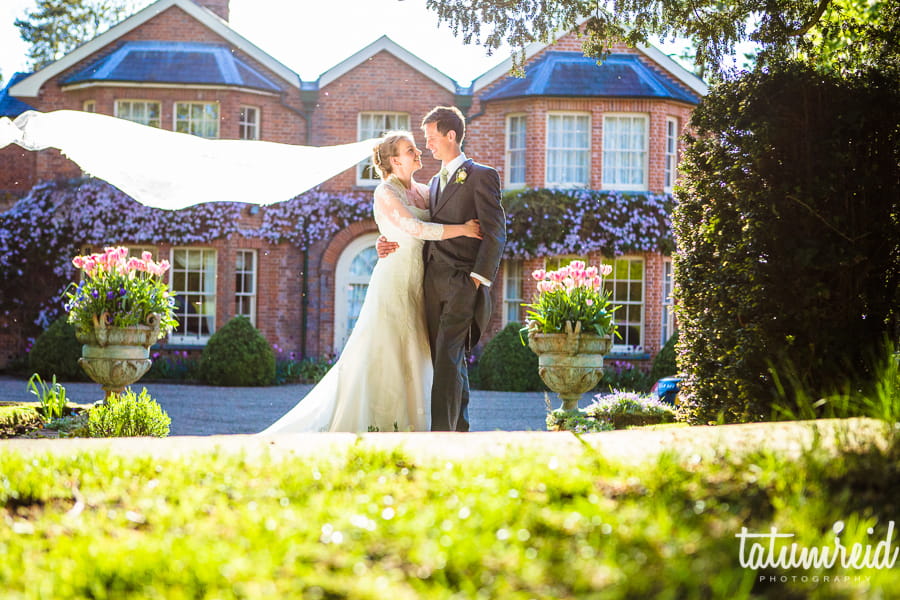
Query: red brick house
{"points": [[568, 124]]}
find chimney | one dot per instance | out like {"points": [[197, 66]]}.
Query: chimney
{"points": [[220, 7]]}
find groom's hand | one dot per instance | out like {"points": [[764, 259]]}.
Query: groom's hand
{"points": [[384, 247]]}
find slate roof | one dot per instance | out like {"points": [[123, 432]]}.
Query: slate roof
{"points": [[572, 74], [174, 62], [9, 106]]}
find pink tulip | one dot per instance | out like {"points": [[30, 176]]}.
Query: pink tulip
{"points": [[577, 265], [591, 271], [146, 256], [136, 264], [605, 270], [539, 275], [78, 261], [589, 302]]}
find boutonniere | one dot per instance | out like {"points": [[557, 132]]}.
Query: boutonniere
{"points": [[461, 177]]}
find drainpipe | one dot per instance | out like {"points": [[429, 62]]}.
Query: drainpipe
{"points": [[463, 100], [309, 95]]}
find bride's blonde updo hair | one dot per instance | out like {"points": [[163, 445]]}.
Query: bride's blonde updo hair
{"points": [[387, 148]]}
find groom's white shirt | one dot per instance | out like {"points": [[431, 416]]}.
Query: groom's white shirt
{"points": [[452, 167]]}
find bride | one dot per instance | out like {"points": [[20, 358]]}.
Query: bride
{"points": [[383, 376]]}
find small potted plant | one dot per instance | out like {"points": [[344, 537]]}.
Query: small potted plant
{"points": [[570, 327], [119, 309]]}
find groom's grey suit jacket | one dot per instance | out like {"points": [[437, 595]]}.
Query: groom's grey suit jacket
{"points": [[476, 197]]}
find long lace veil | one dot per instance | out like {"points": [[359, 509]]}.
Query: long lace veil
{"points": [[171, 170]]}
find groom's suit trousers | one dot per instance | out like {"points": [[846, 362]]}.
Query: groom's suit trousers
{"points": [[452, 296]]}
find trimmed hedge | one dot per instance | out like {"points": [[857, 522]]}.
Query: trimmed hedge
{"points": [[237, 355], [508, 366], [788, 229], [56, 352]]}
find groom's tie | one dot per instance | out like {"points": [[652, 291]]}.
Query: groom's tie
{"points": [[444, 176]]}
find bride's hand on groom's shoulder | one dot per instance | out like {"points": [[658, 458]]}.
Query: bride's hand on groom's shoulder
{"points": [[384, 247]]}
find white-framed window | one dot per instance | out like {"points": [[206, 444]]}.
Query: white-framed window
{"points": [[512, 291], [515, 151], [626, 285], [371, 125], [568, 150], [558, 262], [248, 123], [625, 156], [668, 314], [89, 106], [671, 154], [352, 275], [193, 281], [144, 112], [245, 274], [197, 118]]}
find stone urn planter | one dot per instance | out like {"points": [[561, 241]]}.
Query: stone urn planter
{"points": [[570, 363], [116, 357]]}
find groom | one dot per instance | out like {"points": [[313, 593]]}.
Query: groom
{"points": [[458, 271]]}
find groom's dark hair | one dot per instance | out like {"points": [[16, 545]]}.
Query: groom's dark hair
{"points": [[447, 118]]}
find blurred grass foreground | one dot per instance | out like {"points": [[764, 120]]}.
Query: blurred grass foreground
{"points": [[369, 521]]}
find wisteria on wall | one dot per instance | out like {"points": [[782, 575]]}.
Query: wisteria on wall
{"points": [[41, 233]]}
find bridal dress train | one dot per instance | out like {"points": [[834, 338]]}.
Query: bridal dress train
{"points": [[383, 376]]}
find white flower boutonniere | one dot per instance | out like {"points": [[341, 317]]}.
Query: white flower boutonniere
{"points": [[461, 177]]}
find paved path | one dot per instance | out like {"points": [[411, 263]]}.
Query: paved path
{"points": [[207, 410], [206, 418]]}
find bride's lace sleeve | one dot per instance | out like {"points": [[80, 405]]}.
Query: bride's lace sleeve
{"points": [[388, 203]]}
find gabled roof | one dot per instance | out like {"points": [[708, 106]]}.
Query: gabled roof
{"points": [[174, 62], [558, 73], [9, 106], [31, 85], [387, 44], [681, 74]]}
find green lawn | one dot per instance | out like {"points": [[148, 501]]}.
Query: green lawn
{"points": [[366, 523]]}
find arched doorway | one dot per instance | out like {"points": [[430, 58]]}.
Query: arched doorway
{"points": [[352, 274]]}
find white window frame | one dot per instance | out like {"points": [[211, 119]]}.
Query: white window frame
{"points": [[609, 282], [208, 306], [246, 297], [512, 291], [121, 113], [671, 171], [248, 128], [342, 283], [585, 151], [89, 106], [668, 303], [390, 120], [192, 123], [516, 150], [610, 148]]}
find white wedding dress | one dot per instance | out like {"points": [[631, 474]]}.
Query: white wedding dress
{"points": [[383, 377]]}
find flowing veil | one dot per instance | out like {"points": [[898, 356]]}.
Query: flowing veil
{"points": [[169, 170]]}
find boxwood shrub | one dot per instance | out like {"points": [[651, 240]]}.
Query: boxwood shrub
{"points": [[508, 366], [56, 352], [237, 355]]}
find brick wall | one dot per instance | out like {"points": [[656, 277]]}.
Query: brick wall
{"points": [[17, 171], [381, 84]]}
